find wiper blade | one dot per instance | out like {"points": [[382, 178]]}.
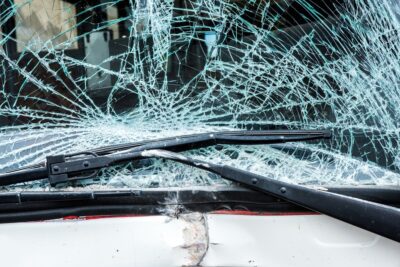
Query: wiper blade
{"points": [[194, 141], [71, 165]]}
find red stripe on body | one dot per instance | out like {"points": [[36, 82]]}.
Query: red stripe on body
{"points": [[222, 212]]}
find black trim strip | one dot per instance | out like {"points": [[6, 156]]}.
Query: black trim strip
{"points": [[384, 195], [32, 206]]}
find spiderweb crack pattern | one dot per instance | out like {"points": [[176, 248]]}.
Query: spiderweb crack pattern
{"points": [[339, 72]]}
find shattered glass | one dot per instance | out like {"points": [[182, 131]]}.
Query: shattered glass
{"points": [[77, 75]]}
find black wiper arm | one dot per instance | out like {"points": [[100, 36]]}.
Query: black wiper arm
{"points": [[60, 168], [377, 218]]}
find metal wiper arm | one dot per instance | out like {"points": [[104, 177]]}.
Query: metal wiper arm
{"points": [[60, 168], [374, 217]]}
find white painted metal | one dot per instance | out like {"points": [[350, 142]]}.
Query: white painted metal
{"points": [[207, 240]]}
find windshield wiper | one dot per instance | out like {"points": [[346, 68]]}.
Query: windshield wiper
{"points": [[103, 157], [377, 218]]}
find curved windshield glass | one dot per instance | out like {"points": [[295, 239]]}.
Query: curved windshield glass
{"points": [[77, 75]]}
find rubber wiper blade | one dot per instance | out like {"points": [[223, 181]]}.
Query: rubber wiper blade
{"points": [[60, 168], [194, 141]]}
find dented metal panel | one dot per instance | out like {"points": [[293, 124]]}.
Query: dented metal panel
{"points": [[195, 239]]}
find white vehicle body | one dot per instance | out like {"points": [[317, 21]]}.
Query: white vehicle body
{"points": [[195, 239]]}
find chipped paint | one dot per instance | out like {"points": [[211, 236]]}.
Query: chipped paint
{"points": [[195, 236], [162, 154]]}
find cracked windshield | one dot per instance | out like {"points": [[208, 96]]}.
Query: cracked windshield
{"points": [[77, 75]]}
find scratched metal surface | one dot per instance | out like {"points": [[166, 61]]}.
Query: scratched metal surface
{"points": [[195, 239]]}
